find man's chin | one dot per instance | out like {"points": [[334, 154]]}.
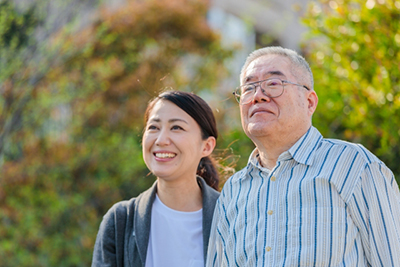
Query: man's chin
{"points": [[257, 130]]}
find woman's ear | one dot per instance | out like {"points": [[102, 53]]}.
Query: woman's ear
{"points": [[208, 146]]}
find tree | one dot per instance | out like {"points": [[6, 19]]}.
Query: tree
{"points": [[76, 149], [354, 51]]}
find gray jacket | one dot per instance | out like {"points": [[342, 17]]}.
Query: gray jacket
{"points": [[123, 236]]}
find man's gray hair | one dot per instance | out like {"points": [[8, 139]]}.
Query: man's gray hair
{"points": [[298, 63]]}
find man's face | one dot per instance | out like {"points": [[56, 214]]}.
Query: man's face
{"points": [[278, 117]]}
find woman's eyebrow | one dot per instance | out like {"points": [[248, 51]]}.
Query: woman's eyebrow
{"points": [[174, 120], [170, 120], [154, 120]]}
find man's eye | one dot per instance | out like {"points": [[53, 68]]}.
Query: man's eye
{"points": [[272, 83], [248, 88]]}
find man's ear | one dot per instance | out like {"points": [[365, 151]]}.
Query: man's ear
{"points": [[312, 99], [209, 145]]}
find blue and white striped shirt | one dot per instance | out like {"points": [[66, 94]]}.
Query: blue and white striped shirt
{"points": [[326, 203]]}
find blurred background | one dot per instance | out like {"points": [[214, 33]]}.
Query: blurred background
{"points": [[76, 76]]}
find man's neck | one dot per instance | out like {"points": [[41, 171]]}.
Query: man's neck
{"points": [[269, 155], [271, 148]]}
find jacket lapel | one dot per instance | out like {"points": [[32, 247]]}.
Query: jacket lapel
{"points": [[142, 222]]}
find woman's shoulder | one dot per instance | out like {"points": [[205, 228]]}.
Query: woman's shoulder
{"points": [[123, 206], [214, 194], [210, 196], [127, 207], [208, 191], [120, 210]]}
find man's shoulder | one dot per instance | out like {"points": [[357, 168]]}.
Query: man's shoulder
{"points": [[239, 175], [346, 147], [236, 178]]}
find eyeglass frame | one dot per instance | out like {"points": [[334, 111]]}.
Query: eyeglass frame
{"points": [[258, 83]]}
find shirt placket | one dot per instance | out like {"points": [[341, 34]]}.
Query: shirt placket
{"points": [[271, 217]]}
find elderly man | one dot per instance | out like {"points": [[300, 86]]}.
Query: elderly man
{"points": [[302, 200]]}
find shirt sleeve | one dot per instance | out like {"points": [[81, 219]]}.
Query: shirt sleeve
{"points": [[375, 208]]}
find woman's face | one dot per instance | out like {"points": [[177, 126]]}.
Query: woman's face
{"points": [[172, 143]]}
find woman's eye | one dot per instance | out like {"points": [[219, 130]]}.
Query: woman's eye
{"points": [[176, 127], [151, 127]]}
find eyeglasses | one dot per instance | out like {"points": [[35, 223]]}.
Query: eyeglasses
{"points": [[270, 87]]}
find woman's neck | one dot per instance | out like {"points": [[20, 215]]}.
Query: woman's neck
{"points": [[181, 196]]}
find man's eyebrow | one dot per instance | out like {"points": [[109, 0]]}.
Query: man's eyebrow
{"points": [[269, 73], [275, 72]]}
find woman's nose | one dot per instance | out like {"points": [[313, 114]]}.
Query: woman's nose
{"points": [[163, 138]]}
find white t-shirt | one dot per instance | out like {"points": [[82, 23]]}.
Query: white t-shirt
{"points": [[176, 238]]}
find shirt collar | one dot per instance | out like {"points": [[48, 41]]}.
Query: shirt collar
{"points": [[254, 162], [302, 151], [254, 159]]}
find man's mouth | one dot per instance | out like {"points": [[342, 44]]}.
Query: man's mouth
{"points": [[259, 111]]}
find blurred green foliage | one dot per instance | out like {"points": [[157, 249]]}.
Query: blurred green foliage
{"points": [[354, 52], [73, 96], [71, 116], [15, 27]]}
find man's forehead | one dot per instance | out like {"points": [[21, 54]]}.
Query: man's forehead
{"points": [[267, 65], [269, 61]]}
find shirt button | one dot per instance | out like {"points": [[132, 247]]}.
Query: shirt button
{"points": [[273, 178], [268, 248], [270, 212]]}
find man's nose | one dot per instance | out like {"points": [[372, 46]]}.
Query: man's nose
{"points": [[259, 95]]}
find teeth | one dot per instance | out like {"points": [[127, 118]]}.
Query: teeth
{"points": [[165, 155]]}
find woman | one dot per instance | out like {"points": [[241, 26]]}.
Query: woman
{"points": [[169, 224]]}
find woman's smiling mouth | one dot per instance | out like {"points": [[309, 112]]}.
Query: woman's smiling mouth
{"points": [[164, 155]]}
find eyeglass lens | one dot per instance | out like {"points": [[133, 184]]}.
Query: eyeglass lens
{"points": [[270, 87]]}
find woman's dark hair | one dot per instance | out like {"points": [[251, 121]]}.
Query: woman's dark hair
{"points": [[201, 112]]}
